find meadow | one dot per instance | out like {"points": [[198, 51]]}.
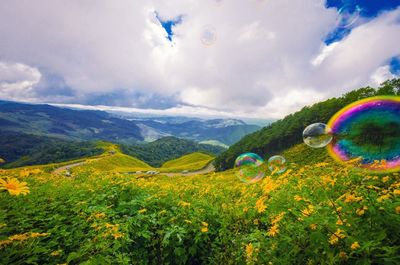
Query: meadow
{"points": [[316, 212]]}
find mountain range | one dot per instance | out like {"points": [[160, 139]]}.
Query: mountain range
{"points": [[72, 124]]}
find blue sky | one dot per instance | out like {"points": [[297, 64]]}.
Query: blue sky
{"points": [[261, 59]]}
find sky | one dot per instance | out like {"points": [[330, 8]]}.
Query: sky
{"points": [[236, 58]]}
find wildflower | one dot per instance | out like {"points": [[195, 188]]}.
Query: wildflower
{"points": [[313, 226], [117, 235], [298, 198], [385, 179], [256, 222], [100, 215], [398, 209], [277, 218], [383, 197], [14, 187], [142, 210], [355, 245], [204, 227], [260, 206], [308, 211], [273, 230], [361, 211], [188, 221], [349, 198], [269, 186], [396, 192], [249, 250], [56, 253], [2, 225], [327, 180], [334, 239], [184, 204], [342, 255]]}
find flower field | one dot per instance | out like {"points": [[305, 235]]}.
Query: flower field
{"points": [[316, 213]]}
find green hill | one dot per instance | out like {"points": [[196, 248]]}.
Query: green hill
{"points": [[287, 132], [158, 152], [117, 162], [194, 161]]}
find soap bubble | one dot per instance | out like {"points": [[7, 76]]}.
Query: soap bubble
{"points": [[277, 164], [367, 134], [208, 35], [348, 15], [250, 167], [317, 135]]}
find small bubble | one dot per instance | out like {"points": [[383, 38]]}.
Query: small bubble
{"points": [[249, 167], [277, 164], [317, 135], [208, 35]]}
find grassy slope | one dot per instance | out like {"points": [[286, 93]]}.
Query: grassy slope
{"points": [[194, 161], [284, 219]]}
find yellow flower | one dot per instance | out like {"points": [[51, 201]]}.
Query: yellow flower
{"points": [[277, 218], [327, 180], [14, 187], [355, 245], [385, 179], [297, 198], [117, 235], [56, 253], [396, 192], [383, 197], [184, 204], [342, 255], [100, 215], [313, 226], [361, 211], [273, 230], [249, 250], [352, 198], [308, 211], [204, 227], [334, 239], [2, 225], [260, 206], [142, 210], [397, 209]]}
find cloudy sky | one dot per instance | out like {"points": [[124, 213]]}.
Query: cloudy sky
{"points": [[247, 58]]}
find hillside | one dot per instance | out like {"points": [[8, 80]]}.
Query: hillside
{"points": [[287, 132], [320, 212], [168, 148], [19, 149], [68, 124], [193, 161]]}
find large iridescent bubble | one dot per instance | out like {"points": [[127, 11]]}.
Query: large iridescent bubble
{"points": [[250, 167], [368, 133]]}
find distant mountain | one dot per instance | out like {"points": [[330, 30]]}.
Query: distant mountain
{"points": [[45, 120], [167, 148], [73, 124], [225, 131]]}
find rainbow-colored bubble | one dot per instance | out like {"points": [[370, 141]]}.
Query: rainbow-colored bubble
{"points": [[249, 167], [367, 132]]}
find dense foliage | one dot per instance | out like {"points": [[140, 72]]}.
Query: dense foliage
{"points": [[19, 149], [287, 132], [320, 213], [158, 152]]}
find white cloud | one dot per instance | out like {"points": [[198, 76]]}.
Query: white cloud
{"points": [[17, 81], [268, 58]]}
